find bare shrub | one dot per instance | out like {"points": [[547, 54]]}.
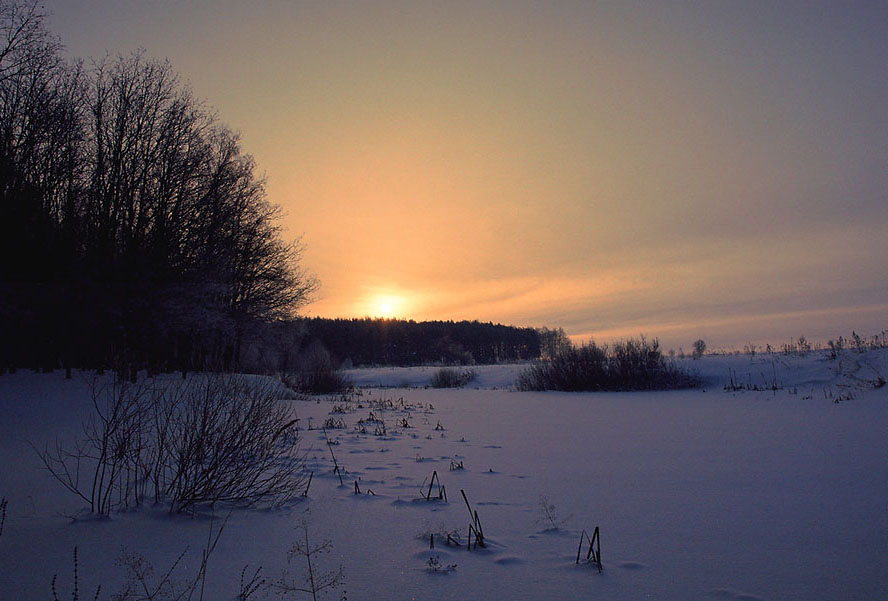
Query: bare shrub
{"points": [[104, 467], [857, 343], [448, 377], [803, 346], [213, 438], [633, 364], [836, 347], [316, 374], [232, 441]]}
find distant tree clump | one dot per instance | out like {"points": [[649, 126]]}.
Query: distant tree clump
{"points": [[405, 342], [699, 349], [552, 342], [133, 229], [633, 364]]}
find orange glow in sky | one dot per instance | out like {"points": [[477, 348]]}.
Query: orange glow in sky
{"points": [[383, 305], [685, 170]]}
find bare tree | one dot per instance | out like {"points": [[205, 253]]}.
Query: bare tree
{"points": [[123, 195], [23, 38]]}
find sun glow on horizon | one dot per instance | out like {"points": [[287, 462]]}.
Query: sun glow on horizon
{"points": [[386, 305], [607, 168]]}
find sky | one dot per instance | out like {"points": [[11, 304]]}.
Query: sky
{"points": [[686, 170]]}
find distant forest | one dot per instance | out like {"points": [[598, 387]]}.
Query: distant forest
{"points": [[134, 234], [297, 344], [398, 342]]}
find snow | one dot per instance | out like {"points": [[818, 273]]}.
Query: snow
{"points": [[486, 376], [699, 494]]}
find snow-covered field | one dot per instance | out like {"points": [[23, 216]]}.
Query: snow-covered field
{"points": [[700, 494]]}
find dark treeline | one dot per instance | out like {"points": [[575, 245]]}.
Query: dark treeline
{"points": [[133, 231], [134, 234], [398, 342]]}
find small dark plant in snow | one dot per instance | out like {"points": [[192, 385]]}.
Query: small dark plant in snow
{"points": [[800, 347], [857, 342], [769, 382], [337, 469], [332, 423], [316, 580], [593, 554], [75, 594], [836, 347], [359, 492], [143, 584], [433, 494], [435, 565], [382, 404], [442, 535], [548, 515], [475, 528], [249, 586], [448, 377], [373, 418], [838, 397], [804, 347]]}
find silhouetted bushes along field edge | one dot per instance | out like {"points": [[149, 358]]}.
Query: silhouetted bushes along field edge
{"points": [[632, 364]]}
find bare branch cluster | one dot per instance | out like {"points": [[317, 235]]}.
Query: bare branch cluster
{"points": [[316, 580], [209, 439], [143, 583]]}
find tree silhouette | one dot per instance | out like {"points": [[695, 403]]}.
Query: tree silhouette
{"points": [[133, 230]]}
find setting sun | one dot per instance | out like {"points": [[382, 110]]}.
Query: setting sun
{"points": [[386, 305]]}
